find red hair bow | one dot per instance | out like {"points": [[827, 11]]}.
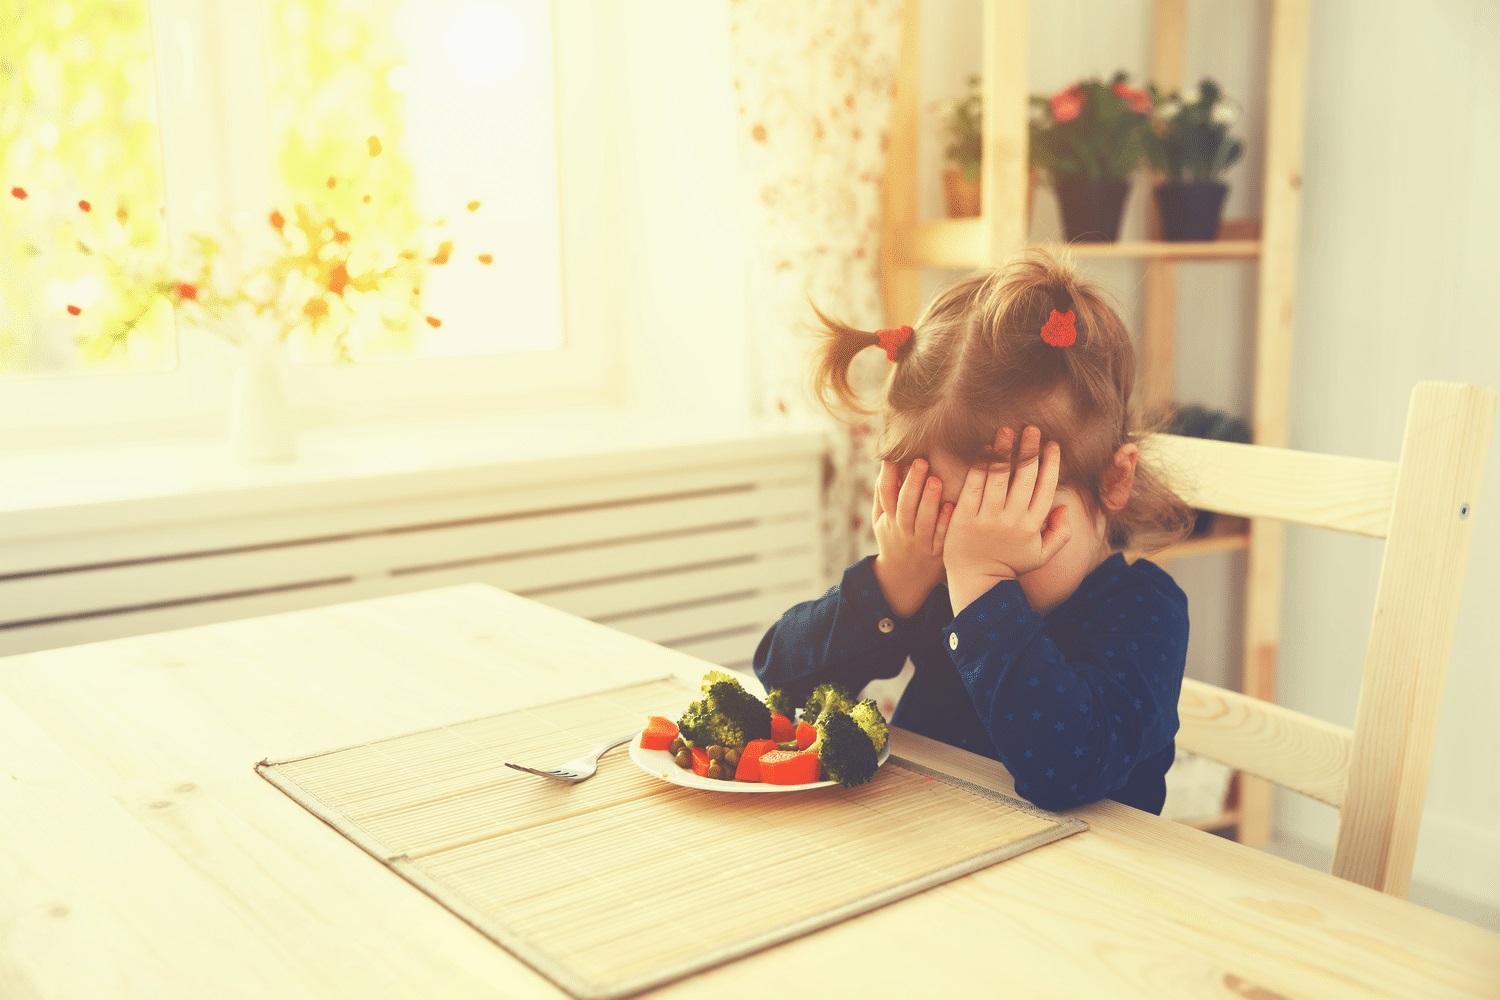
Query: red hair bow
{"points": [[1059, 330], [891, 341]]}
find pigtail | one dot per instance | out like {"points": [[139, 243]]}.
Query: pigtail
{"points": [[837, 347]]}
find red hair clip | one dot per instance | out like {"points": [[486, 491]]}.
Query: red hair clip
{"points": [[891, 341], [1059, 330]]}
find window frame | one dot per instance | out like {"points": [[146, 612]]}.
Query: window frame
{"points": [[203, 81]]}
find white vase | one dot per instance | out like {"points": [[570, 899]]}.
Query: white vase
{"points": [[260, 413]]}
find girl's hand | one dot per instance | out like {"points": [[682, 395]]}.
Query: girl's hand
{"points": [[910, 526], [1004, 524]]}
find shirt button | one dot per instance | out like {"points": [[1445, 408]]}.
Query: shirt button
{"points": [[886, 625], [952, 640]]}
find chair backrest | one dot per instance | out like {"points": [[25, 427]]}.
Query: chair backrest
{"points": [[1424, 507]]}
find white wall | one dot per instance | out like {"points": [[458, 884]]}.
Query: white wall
{"points": [[1398, 264], [1399, 268]]}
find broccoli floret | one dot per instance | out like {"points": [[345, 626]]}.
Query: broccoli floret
{"points": [[843, 749], [825, 698], [716, 676], [727, 714], [777, 701], [869, 717]]}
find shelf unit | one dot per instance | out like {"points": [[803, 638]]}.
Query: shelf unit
{"points": [[909, 244]]}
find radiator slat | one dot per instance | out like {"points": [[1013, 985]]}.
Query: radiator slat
{"points": [[529, 574], [670, 628], [29, 598], [192, 533], [602, 601]]}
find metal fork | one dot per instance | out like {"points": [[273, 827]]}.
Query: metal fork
{"points": [[580, 769]]}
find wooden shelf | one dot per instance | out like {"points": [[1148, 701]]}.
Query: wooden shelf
{"points": [[910, 243], [961, 243]]}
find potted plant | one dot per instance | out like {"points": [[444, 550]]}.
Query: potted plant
{"points": [[963, 123], [1089, 138], [1189, 143], [1199, 421]]}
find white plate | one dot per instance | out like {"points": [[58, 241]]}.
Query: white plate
{"points": [[660, 764]]}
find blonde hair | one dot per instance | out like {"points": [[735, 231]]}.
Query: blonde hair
{"points": [[976, 361]]}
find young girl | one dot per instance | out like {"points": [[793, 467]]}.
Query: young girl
{"points": [[1009, 486]]}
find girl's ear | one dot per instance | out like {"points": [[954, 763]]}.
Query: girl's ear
{"points": [[1120, 478]]}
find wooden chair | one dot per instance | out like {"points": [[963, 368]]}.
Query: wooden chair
{"points": [[1424, 507]]}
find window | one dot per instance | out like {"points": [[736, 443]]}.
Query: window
{"points": [[82, 178], [459, 94], [187, 114]]}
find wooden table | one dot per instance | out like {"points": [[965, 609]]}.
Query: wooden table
{"points": [[140, 854]]}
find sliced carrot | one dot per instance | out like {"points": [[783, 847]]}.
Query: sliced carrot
{"points": [[658, 734], [748, 769], [782, 730], [806, 735], [785, 767], [700, 762]]}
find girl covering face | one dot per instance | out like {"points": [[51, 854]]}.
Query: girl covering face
{"points": [[1010, 486]]}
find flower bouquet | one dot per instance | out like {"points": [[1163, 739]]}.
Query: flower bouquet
{"points": [[1189, 143], [332, 280], [1089, 138]]}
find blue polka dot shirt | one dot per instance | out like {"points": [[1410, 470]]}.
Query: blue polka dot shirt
{"points": [[1079, 704]]}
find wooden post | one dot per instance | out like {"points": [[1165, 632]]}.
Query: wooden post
{"points": [[1159, 291], [1281, 208], [1003, 167], [901, 282]]}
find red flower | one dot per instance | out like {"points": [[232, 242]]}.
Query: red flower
{"points": [[1067, 104], [1059, 330], [74, 310], [84, 206], [18, 192], [187, 292], [1135, 99], [434, 322], [278, 221], [338, 279]]}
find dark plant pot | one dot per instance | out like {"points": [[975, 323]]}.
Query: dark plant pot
{"points": [[1091, 209], [1190, 211]]}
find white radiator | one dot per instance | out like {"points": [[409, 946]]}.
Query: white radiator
{"points": [[699, 548]]}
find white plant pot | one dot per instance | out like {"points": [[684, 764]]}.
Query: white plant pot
{"points": [[260, 414]]}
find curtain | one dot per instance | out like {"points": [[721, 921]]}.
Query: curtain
{"points": [[814, 81]]}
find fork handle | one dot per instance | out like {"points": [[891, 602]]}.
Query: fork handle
{"points": [[612, 744]]}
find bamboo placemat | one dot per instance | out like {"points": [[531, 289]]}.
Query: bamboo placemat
{"points": [[625, 882]]}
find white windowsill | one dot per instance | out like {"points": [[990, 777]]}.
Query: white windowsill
{"points": [[53, 491]]}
